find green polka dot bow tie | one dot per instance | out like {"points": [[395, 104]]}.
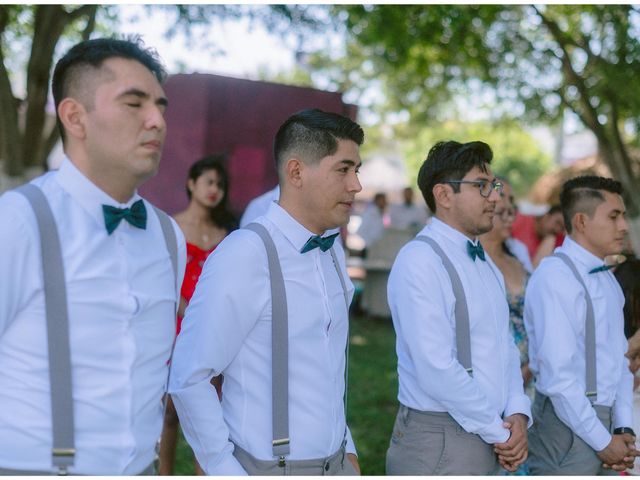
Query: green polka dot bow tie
{"points": [[475, 251], [136, 216], [323, 244]]}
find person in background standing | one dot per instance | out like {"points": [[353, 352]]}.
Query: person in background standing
{"points": [[205, 222]]}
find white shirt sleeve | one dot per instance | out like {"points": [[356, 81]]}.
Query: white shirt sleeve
{"points": [[225, 306], [557, 315], [423, 318], [623, 404], [517, 400], [19, 257]]}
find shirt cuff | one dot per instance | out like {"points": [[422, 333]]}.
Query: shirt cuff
{"points": [[350, 447], [598, 438], [494, 433], [519, 404]]}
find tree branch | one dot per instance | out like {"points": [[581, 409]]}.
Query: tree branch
{"points": [[573, 78]]}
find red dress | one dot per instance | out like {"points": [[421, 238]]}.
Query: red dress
{"points": [[195, 260]]}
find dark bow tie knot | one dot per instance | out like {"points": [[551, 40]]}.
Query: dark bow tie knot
{"points": [[601, 268], [323, 244], [476, 251], [136, 215]]}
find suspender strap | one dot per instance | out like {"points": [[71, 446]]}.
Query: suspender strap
{"points": [[172, 247], [279, 346], [589, 333], [170, 240], [346, 348], [463, 332], [55, 299]]}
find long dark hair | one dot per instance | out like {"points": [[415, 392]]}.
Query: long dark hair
{"points": [[220, 214], [628, 275]]}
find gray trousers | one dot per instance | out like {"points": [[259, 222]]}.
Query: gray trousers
{"points": [[433, 443], [336, 464], [553, 447]]}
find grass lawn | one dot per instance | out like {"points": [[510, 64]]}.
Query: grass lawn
{"points": [[372, 401]]}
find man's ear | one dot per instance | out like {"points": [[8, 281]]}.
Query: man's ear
{"points": [[442, 195], [294, 169], [579, 222], [72, 115]]}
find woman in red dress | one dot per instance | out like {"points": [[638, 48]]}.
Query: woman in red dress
{"points": [[205, 222]]}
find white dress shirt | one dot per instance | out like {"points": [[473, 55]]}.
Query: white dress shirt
{"points": [[372, 225], [259, 206], [555, 316], [405, 216], [227, 329], [422, 306], [121, 292]]}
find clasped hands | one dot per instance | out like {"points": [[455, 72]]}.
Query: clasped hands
{"points": [[620, 453], [513, 453]]}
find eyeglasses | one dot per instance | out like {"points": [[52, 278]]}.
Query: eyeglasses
{"points": [[505, 214], [485, 186]]}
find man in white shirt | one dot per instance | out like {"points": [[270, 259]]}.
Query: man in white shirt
{"points": [[407, 215], [375, 219], [227, 325], [259, 206], [452, 422], [574, 417], [121, 286]]}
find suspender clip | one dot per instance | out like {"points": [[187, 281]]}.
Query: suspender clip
{"points": [[593, 395], [469, 371], [281, 441], [282, 461]]}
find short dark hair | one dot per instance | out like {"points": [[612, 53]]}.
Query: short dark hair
{"points": [[451, 160], [313, 135], [89, 55], [583, 195], [220, 214]]}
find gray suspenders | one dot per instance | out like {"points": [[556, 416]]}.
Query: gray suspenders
{"points": [[280, 344], [55, 299], [463, 332], [589, 333]]}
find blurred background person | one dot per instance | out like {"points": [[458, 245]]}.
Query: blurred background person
{"points": [[259, 206], [205, 222], [540, 233], [407, 215], [628, 275], [374, 220], [515, 276]]}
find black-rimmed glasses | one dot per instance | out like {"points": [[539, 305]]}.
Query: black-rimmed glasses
{"points": [[484, 186]]}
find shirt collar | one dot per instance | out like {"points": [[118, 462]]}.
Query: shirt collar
{"points": [[455, 236], [85, 192], [585, 260], [292, 230]]}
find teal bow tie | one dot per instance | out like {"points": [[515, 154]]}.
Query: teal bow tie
{"points": [[136, 216], [317, 241], [475, 251], [602, 268]]}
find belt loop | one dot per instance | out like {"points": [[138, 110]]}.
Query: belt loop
{"points": [[405, 414]]}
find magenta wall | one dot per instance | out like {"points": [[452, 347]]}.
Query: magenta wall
{"points": [[211, 113]]}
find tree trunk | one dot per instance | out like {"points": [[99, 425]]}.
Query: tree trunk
{"points": [[9, 134], [30, 147]]}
